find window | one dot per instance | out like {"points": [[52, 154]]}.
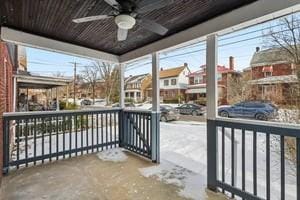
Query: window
{"points": [[219, 76], [268, 74], [166, 82], [198, 79], [173, 82]]}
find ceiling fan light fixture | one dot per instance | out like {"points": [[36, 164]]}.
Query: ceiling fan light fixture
{"points": [[125, 21]]}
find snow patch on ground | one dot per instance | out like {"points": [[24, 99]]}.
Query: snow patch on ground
{"points": [[188, 182], [113, 155]]}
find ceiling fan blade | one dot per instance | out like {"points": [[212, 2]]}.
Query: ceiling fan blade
{"points": [[112, 3], [91, 18], [149, 5], [122, 34], [153, 26]]}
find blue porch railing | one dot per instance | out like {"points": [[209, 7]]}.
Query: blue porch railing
{"points": [[220, 129], [36, 137]]}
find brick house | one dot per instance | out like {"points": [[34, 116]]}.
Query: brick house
{"points": [[272, 76], [173, 83], [136, 87], [196, 91], [8, 64]]}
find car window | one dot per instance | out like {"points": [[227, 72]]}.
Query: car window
{"points": [[239, 104], [184, 106]]}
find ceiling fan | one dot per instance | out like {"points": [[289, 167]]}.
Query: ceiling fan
{"points": [[126, 15]]}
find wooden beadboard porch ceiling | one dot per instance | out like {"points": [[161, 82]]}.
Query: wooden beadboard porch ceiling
{"points": [[53, 19]]}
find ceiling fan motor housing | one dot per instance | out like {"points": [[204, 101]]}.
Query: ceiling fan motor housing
{"points": [[125, 21]]}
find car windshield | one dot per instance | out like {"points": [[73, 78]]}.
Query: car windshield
{"points": [[166, 107]]}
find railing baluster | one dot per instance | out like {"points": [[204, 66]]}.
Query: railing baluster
{"points": [[18, 141], [64, 135], [57, 140], [50, 140], [43, 138], [102, 132], [76, 133], [282, 168], [140, 129], [87, 133], [144, 128], [110, 129], [81, 133], [254, 164], [34, 141], [106, 131], [268, 165], [223, 156], [243, 160], [92, 133], [232, 159], [115, 129], [70, 136], [97, 131], [298, 166], [26, 141]]}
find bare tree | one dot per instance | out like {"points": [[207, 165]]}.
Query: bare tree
{"points": [[239, 88], [285, 36], [109, 74], [90, 74]]}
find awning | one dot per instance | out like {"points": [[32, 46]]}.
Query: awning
{"points": [[196, 91], [267, 69]]}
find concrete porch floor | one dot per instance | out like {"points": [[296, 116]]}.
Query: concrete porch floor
{"points": [[88, 177]]}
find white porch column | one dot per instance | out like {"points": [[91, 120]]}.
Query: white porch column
{"points": [[212, 103], [155, 82], [122, 85], [212, 84], [155, 115]]}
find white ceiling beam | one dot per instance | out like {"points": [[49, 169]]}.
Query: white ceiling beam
{"points": [[35, 41], [254, 13]]}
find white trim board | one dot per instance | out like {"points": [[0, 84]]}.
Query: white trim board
{"points": [[254, 13], [35, 41]]}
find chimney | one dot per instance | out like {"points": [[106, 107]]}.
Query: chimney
{"points": [[257, 49], [185, 64], [161, 69], [231, 63]]}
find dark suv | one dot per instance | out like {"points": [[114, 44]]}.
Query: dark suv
{"points": [[250, 109], [191, 109]]}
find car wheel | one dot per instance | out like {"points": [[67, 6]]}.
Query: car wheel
{"points": [[194, 113], [163, 119], [261, 116], [224, 114]]}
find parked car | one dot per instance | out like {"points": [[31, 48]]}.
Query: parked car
{"points": [[251, 109], [191, 109], [34, 106], [168, 113], [86, 102]]}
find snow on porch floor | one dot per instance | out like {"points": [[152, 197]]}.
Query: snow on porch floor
{"points": [[108, 176]]}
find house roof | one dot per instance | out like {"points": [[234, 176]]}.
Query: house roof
{"points": [[136, 78], [270, 57], [220, 68], [172, 72], [275, 80], [53, 19]]}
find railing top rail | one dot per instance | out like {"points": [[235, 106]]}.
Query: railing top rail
{"points": [[33, 114], [138, 111], [285, 129]]}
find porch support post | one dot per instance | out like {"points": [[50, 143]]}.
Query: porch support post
{"points": [[212, 103], [121, 104], [155, 126], [57, 101], [15, 95]]}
